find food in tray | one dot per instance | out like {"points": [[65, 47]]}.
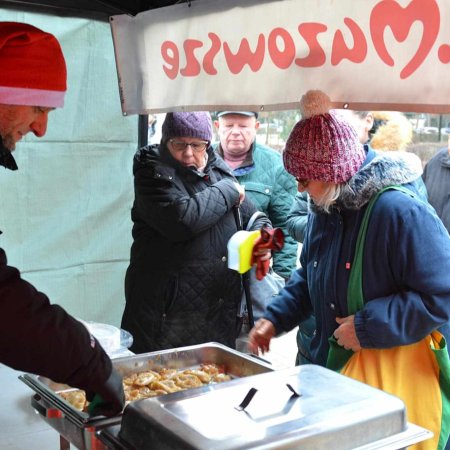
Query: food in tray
{"points": [[168, 386], [221, 377], [152, 383], [145, 378], [77, 398], [187, 380], [203, 376]]}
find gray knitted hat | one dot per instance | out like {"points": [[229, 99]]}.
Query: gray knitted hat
{"points": [[187, 124]]}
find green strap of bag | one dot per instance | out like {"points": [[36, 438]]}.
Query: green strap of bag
{"points": [[337, 355], [418, 373]]}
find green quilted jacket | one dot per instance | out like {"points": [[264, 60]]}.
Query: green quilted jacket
{"points": [[272, 190]]}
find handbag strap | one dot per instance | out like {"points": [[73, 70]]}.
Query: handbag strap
{"points": [[337, 355], [245, 277], [355, 296], [255, 216]]}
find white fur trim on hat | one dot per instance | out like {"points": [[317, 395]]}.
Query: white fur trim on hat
{"points": [[31, 97]]}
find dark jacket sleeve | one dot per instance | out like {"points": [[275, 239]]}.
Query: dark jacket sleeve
{"points": [[284, 190], [292, 305], [175, 214], [417, 259], [43, 339], [297, 218]]}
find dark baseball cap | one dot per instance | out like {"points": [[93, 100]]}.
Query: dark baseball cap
{"points": [[242, 113]]}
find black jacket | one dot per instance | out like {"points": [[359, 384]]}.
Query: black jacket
{"points": [[41, 338], [436, 176], [179, 290]]}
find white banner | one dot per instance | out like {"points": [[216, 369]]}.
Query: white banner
{"points": [[263, 55]]}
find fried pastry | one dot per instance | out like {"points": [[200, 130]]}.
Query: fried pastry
{"points": [[129, 380], [166, 385], [212, 369], [146, 378], [131, 395], [152, 383], [221, 377], [187, 380], [76, 398], [167, 374], [156, 392], [204, 377]]}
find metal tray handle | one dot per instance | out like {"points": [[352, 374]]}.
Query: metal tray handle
{"points": [[251, 393]]}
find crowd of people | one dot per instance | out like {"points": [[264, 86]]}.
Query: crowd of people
{"points": [[192, 196]]}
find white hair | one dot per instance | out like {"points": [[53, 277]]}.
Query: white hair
{"points": [[330, 196]]}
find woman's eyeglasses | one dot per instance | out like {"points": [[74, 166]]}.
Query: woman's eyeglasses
{"points": [[181, 146], [302, 182]]}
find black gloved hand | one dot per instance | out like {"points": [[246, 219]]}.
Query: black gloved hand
{"points": [[110, 399]]}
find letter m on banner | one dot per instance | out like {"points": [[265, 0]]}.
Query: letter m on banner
{"points": [[263, 55]]}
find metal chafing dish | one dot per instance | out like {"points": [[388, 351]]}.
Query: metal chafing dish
{"points": [[306, 407], [77, 428]]}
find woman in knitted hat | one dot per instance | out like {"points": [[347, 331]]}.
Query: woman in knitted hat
{"points": [[406, 261], [377, 130], [179, 290]]}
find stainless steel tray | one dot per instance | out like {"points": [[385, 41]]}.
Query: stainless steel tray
{"points": [[332, 411], [109, 436], [235, 363]]}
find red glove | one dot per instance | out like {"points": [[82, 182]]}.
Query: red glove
{"points": [[272, 239]]}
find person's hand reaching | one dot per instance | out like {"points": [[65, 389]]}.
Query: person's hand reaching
{"points": [[260, 336], [109, 400]]}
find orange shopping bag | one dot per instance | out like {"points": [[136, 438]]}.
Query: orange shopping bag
{"points": [[419, 373]]}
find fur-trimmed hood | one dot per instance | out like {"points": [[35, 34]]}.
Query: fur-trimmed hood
{"points": [[380, 169]]}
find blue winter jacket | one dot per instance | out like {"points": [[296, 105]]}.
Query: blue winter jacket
{"points": [[406, 265]]}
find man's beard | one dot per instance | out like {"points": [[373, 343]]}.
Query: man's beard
{"points": [[6, 158], [9, 143]]}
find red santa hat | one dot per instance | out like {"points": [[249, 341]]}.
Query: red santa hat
{"points": [[33, 69]]}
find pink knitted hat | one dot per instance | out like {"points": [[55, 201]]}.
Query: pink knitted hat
{"points": [[322, 145], [33, 67]]}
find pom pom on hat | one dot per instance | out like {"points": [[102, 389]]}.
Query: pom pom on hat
{"points": [[187, 124], [33, 67], [322, 145], [314, 103]]}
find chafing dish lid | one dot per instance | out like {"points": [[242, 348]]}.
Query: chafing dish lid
{"points": [[331, 411]]}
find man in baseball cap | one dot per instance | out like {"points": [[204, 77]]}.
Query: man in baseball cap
{"points": [[267, 184], [42, 338], [239, 113], [260, 169]]}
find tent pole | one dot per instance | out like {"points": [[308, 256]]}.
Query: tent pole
{"points": [[142, 130]]}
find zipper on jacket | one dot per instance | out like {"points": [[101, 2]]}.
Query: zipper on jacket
{"points": [[334, 303]]}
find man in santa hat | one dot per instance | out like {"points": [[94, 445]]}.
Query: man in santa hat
{"points": [[36, 336]]}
